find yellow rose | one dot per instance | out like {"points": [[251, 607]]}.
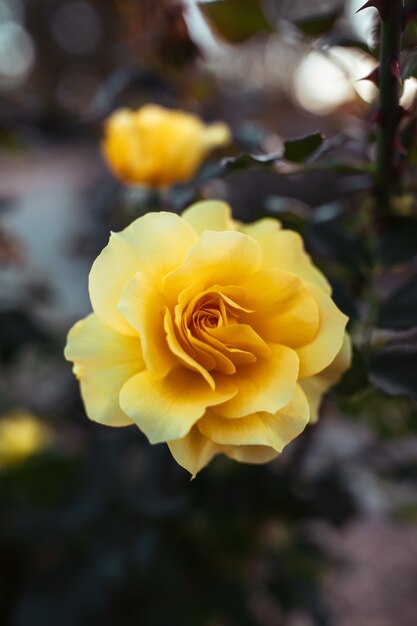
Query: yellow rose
{"points": [[157, 147], [210, 335], [21, 436]]}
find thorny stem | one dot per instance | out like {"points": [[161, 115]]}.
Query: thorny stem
{"points": [[389, 108], [387, 172]]}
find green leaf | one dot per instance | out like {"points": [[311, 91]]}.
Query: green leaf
{"points": [[236, 20], [409, 66], [394, 370], [400, 309], [250, 161], [318, 25], [388, 417], [331, 239], [409, 41], [300, 149], [398, 242]]}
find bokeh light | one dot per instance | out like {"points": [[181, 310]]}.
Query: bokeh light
{"points": [[362, 22], [77, 86], [17, 53], [76, 27], [326, 80]]}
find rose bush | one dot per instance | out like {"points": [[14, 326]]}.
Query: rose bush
{"points": [[157, 147], [210, 335]]}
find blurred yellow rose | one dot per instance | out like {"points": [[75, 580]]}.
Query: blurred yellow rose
{"points": [[157, 147], [21, 435], [210, 335]]}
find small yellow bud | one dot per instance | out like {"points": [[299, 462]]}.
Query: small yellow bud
{"points": [[158, 147]]}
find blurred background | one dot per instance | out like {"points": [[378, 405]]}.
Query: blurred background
{"points": [[96, 525]]}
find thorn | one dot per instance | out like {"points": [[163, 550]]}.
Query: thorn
{"points": [[373, 76], [380, 5], [395, 68]]}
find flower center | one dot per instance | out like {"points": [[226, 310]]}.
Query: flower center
{"points": [[207, 336], [208, 311]]}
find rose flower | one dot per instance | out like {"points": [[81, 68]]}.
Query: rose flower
{"points": [[157, 147], [210, 335]]}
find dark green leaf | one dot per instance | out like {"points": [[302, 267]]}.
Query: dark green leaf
{"points": [[317, 25], [400, 310], [249, 161], [398, 242], [410, 36], [236, 20], [306, 153], [394, 370], [409, 66], [332, 240], [300, 149], [388, 417]]}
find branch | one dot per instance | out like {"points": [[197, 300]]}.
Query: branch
{"points": [[389, 107]]}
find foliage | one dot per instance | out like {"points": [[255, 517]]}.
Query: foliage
{"points": [[102, 528]]}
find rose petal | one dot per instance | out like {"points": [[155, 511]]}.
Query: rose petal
{"points": [[103, 361], [275, 430], [156, 242], [143, 307], [177, 349], [185, 143], [208, 351], [250, 454], [209, 215], [223, 258], [167, 408], [194, 451], [210, 356], [318, 354], [267, 385], [284, 249], [240, 337], [316, 386], [284, 311], [264, 225], [236, 356]]}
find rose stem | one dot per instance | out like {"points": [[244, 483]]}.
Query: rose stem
{"points": [[389, 102]]}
